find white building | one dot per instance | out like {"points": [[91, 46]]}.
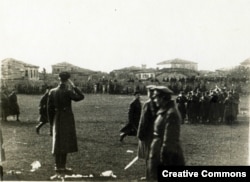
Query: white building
{"points": [[178, 63], [64, 66], [12, 69], [145, 74], [246, 63]]}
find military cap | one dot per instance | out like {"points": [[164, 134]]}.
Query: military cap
{"points": [[64, 75], [151, 87], [163, 90]]}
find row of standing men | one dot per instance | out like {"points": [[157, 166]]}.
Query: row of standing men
{"points": [[214, 106]]}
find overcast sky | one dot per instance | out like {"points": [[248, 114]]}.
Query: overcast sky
{"points": [[105, 35]]}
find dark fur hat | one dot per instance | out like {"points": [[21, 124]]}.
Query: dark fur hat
{"points": [[64, 75]]}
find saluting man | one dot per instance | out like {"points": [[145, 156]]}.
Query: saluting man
{"points": [[60, 113]]}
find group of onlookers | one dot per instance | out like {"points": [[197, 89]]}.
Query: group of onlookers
{"points": [[9, 104], [214, 106]]}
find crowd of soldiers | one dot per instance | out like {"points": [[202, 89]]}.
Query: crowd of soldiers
{"points": [[214, 106]]}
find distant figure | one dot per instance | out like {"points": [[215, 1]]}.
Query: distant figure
{"points": [[4, 105], [14, 107], [236, 97], [229, 112], [103, 89], [60, 112], [43, 111], [181, 101], [95, 89], [134, 114], [2, 155], [165, 148], [146, 127], [214, 109]]}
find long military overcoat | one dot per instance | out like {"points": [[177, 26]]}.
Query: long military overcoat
{"points": [[2, 153], [60, 111], [134, 114], [166, 148], [146, 127], [43, 108]]}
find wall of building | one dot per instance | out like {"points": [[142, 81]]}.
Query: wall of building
{"points": [[145, 76], [13, 72], [179, 65]]}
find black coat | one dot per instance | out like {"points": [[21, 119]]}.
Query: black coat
{"points": [[166, 148], [14, 107], [134, 114], [43, 108], [146, 127], [60, 112]]}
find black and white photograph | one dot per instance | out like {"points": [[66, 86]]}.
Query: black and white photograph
{"points": [[109, 90]]}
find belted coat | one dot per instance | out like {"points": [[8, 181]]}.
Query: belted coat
{"points": [[134, 114], [166, 148], [60, 112], [146, 127]]}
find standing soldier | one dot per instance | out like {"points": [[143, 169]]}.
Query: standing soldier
{"points": [[134, 114], [2, 155], [4, 104], [190, 107], [165, 148], [204, 103], [195, 106], [60, 112], [223, 97], [43, 111], [236, 98], [181, 101], [229, 114], [146, 126], [221, 100], [14, 107], [213, 110]]}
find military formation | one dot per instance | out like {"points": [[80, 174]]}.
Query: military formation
{"points": [[215, 106]]}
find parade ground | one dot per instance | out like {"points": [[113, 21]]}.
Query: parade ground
{"points": [[98, 121]]}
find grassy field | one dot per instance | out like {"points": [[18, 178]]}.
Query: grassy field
{"points": [[98, 120]]}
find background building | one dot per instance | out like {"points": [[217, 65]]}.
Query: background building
{"points": [[12, 69], [246, 63], [64, 66], [178, 63]]}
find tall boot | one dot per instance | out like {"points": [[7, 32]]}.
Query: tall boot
{"points": [[1, 173], [122, 136], [39, 126]]}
